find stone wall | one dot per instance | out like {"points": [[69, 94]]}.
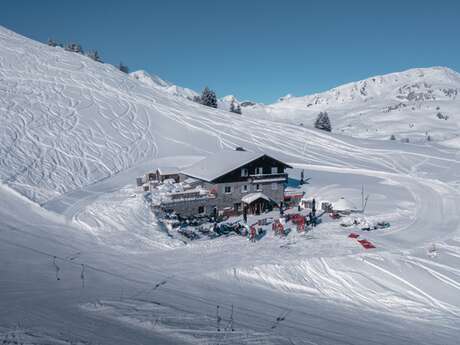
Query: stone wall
{"points": [[187, 208], [229, 199]]}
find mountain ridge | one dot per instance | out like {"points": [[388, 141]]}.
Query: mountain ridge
{"points": [[417, 103]]}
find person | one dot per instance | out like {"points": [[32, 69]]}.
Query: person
{"points": [[302, 178], [245, 214], [310, 219], [252, 233]]}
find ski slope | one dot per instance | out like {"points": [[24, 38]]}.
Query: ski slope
{"points": [[75, 134]]}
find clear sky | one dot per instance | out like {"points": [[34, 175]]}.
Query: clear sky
{"points": [[258, 50]]}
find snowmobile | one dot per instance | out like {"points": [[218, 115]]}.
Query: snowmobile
{"points": [[382, 225], [188, 233]]}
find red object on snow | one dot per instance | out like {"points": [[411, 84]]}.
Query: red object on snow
{"points": [[278, 228], [301, 225], [252, 233], [296, 217], [334, 215], [298, 220], [353, 235], [366, 244]]}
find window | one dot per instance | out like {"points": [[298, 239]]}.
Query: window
{"points": [[237, 207], [258, 187], [244, 188], [274, 186], [200, 209], [259, 171], [228, 189], [274, 170], [244, 172]]}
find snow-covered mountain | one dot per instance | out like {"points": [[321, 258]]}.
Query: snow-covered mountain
{"points": [[225, 102], [413, 104], [158, 83], [419, 104]]}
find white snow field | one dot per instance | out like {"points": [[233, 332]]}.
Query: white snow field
{"points": [[419, 104], [175, 90], [82, 261], [166, 86]]}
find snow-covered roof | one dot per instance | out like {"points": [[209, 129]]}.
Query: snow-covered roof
{"points": [[168, 170], [343, 205], [190, 180], [220, 164], [253, 197]]}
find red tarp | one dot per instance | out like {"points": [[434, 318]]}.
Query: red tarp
{"points": [[366, 244], [353, 235]]}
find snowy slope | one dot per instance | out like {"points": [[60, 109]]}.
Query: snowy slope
{"points": [[406, 104], [158, 83], [68, 121], [74, 135]]}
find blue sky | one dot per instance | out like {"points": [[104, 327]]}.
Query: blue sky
{"points": [[258, 50]]}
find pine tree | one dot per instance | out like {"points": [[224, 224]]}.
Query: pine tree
{"points": [[233, 109], [209, 98], [196, 99], [123, 68], [238, 109], [94, 55], [74, 47], [393, 137], [322, 122], [52, 43]]}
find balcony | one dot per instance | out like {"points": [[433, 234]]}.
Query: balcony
{"points": [[188, 195], [260, 178]]}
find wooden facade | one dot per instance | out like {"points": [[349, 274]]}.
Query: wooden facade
{"points": [[266, 163]]}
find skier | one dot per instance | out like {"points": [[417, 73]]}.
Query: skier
{"points": [[302, 178]]}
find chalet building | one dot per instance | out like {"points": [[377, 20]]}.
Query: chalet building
{"points": [[230, 181], [162, 174]]}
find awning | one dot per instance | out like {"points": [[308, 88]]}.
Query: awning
{"points": [[250, 198]]}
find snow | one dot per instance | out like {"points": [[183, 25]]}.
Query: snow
{"points": [[343, 205], [404, 104], [158, 83], [253, 197], [74, 136], [168, 170], [220, 163]]}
